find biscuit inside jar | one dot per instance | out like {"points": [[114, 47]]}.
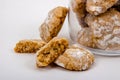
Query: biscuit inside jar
{"points": [[93, 22]]}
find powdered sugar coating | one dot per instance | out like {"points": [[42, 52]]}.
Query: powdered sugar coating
{"points": [[53, 23], [76, 53], [60, 64], [105, 29], [96, 7], [115, 40], [116, 31], [85, 37], [103, 43], [76, 58], [116, 20]]}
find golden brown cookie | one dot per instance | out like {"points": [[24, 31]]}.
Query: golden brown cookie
{"points": [[50, 52], [29, 46], [85, 37], [76, 59], [79, 8], [105, 29], [96, 7], [53, 23]]}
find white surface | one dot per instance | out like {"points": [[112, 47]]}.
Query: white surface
{"points": [[20, 19]]}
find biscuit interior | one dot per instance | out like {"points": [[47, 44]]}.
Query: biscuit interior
{"points": [[29, 46], [51, 51]]}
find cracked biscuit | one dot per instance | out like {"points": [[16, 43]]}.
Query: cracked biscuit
{"points": [[96, 7], [53, 23], [79, 8], [29, 46], [105, 29], [75, 59], [50, 52], [85, 37]]}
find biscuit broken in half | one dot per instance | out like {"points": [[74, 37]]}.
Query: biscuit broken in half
{"points": [[50, 52], [29, 46]]}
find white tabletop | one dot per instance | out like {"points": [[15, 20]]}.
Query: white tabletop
{"points": [[20, 19]]}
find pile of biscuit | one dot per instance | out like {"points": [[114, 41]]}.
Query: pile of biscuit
{"points": [[52, 49], [100, 22]]}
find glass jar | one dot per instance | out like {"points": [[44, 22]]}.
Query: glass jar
{"points": [[94, 28]]}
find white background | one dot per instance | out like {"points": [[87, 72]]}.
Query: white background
{"points": [[20, 19]]}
